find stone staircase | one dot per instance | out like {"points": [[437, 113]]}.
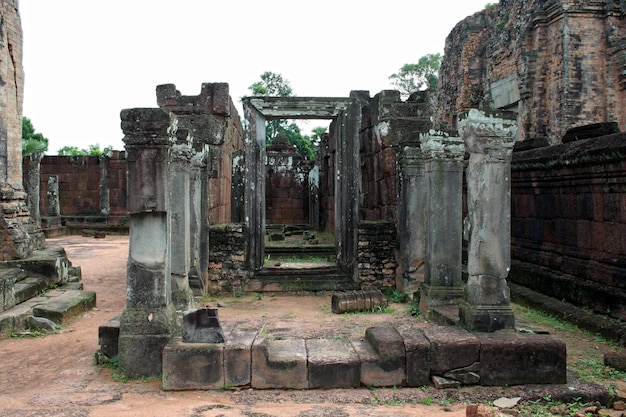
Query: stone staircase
{"points": [[42, 286], [300, 276]]}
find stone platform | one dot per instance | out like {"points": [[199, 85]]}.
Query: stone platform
{"points": [[446, 356]]}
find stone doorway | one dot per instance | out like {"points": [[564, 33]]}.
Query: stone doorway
{"points": [[341, 271]]}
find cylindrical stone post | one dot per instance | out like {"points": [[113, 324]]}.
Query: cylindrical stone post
{"points": [[149, 319], [179, 218], [54, 205], [411, 217], [32, 186], [105, 195], [489, 139], [443, 171]]}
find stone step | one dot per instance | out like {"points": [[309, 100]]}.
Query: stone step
{"points": [[300, 276], [68, 304], [59, 305]]}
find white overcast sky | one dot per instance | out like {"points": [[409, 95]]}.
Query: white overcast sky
{"points": [[86, 60]]}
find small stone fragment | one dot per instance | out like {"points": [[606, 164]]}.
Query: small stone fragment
{"points": [[440, 382], [504, 402], [479, 410], [619, 405], [41, 323]]}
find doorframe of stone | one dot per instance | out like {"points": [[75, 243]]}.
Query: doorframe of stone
{"points": [[258, 110]]}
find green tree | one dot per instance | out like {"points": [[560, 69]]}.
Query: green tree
{"points": [[92, 150], [275, 85], [31, 140], [271, 84], [414, 77]]}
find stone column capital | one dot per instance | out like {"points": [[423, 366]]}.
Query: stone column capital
{"points": [[440, 145], [490, 134]]}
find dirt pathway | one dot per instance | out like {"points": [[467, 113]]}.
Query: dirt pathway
{"points": [[56, 376]]}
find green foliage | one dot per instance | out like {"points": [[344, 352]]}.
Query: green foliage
{"points": [[92, 150], [275, 85], [415, 77], [32, 141], [271, 84]]}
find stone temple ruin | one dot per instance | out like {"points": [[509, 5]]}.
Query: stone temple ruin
{"points": [[408, 188], [193, 145]]}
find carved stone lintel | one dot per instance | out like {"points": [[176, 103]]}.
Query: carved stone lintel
{"points": [[439, 145], [488, 134]]}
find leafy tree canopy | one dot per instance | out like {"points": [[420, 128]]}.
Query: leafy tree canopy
{"points": [[415, 77], [92, 150], [271, 84], [32, 141]]}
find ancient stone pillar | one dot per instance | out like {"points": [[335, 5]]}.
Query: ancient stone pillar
{"points": [[196, 184], [149, 319], [54, 205], [179, 218], [105, 196], [411, 217], [489, 139], [32, 186], [443, 171]]}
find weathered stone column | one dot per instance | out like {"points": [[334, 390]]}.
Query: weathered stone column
{"points": [[179, 218], [489, 139], [32, 186], [149, 319], [411, 217], [54, 205], [196, 184], [443, 169], [105, 195]]}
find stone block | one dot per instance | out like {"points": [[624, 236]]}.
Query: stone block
{"points": [[417, 350], [66, 306], [372, 374], [280, 364], [451, 348], [140, 355], [237, 357], [188, 366], [389, 345], [108, 337], [515, 359], [332, 364]]}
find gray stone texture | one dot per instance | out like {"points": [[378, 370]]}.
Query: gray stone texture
{"points": [[443, 169], [238, 358], [417, 349], [279, 364], [489, 138], [514, 358], [451, 348], [332, 364], [193, 366], [372, 373]]}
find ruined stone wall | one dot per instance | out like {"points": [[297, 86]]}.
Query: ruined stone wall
{"points": [[569, 222], [376, 254], [558, 63], [227, 273], [80, 180], [11, 93], [222, 157], [286, 184]]}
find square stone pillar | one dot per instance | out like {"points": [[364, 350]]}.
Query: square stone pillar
{"points": [[179, 219], [443, 171], [411, 217], [489, 139], [147, 323]]}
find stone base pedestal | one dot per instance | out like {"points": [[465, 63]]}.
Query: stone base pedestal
{"points": [[486, 318], [143, 335], [434, 296]]}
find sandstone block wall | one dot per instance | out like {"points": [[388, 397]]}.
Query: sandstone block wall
{"points": [[11, 93], [558, 63], [79, 183], [286, 185], [569, 222]]}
